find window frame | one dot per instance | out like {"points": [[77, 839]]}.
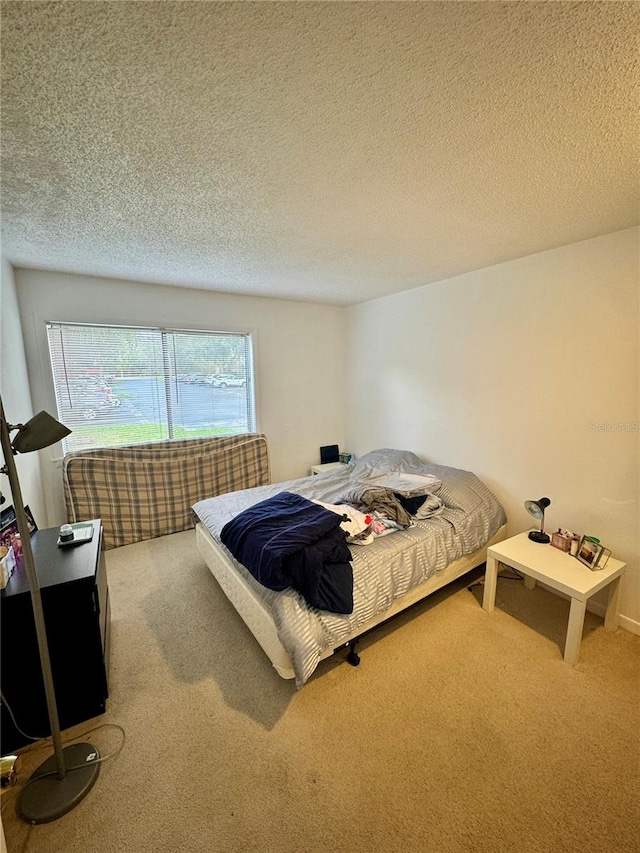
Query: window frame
{"points": [[250, 335]]}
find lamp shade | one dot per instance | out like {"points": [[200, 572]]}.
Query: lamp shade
{"points": [[536, 509], [42, 430]]}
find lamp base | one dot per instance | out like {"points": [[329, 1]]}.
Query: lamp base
{"points": [[45, 797], [539, 536]]}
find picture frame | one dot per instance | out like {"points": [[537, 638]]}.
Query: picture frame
{"points": [[30, 521], [7, 515], [589, 552], [9, 525]]}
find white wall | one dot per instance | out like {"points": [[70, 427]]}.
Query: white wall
{"points": [[299, 355], [502, 371], [16, 398], [505, 371]]}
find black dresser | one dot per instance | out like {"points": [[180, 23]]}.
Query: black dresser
{"points": [[75, 601]]}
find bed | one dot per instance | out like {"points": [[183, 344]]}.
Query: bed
{"points": [[389, 575]]}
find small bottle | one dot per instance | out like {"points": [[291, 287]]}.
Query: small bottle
{"points": [[66, 533]]}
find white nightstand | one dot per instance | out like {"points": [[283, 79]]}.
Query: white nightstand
{"points": [[561, 572], [328, 466]]}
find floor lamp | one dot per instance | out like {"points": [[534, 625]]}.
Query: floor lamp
{"points": [[66, 777]]}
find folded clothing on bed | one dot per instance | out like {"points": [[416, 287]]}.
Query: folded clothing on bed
{"points": [[424, 506], [378, 500], [289, 541], [405, 483]]}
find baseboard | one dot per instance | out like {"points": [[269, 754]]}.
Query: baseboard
{"points": [[631, 625], [625, 621], [599, 609]]}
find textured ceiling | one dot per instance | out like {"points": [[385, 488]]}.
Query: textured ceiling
{"points": [[332, 152]]}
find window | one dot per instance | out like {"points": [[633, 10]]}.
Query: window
{"points": [[124, 385]]}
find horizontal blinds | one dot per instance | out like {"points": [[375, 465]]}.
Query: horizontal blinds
{"points": [[119, 385]]}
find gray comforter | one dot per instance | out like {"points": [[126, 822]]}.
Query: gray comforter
{"points": [[382, 571]]}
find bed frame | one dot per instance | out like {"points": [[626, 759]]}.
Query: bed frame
{"points": [[257, 615]]}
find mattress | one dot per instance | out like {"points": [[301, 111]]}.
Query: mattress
{"points": [[385, 572]]}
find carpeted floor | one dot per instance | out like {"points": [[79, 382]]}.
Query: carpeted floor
{"points": [[459, 731]]}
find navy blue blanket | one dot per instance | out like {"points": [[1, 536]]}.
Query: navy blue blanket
{"points": [[289, 541]]}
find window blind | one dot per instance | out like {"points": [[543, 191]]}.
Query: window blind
{"points": [[119, 385]]}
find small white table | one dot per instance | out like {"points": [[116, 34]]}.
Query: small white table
{"points": [[561, 572], [328, 466]]}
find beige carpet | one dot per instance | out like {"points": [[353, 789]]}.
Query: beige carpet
{"points": [[460, 730]]}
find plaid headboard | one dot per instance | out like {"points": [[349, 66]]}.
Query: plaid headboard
{"points": [[147, 490]]}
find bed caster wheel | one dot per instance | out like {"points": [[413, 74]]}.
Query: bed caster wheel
{"points": [[353, 657]]}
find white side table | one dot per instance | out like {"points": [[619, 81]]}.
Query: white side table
{"points": [[328, 466], [561, 572]]}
